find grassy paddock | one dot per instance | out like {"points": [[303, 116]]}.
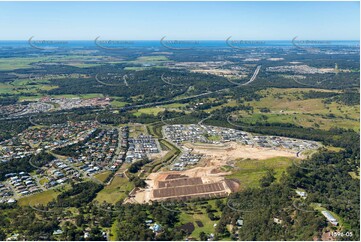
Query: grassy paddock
{"points": [[288, 105], [118, 189], [249, 172], [155, 130], [150, 111], [169, 157], [103, 176], [42, 198]]}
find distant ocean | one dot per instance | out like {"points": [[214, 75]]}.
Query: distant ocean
{"points": [[187, 43]]}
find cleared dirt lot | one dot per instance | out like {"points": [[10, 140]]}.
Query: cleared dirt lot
{"points": [[196, 182], [218, 155], [207, 180]]}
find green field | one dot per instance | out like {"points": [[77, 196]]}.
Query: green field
{"points": [[249, 172], [83, 65], [230, 103], [84, 96], [214, 138], [6, 88], [289, 106], [118, 189], [134, 68], [150, 111], [23, 82], [117, 104], [8, 64], [113, 231], [152, 58], [103, 176], [199, 214], [136, 130], [44, 180], [88, 96], [42, 197], [208, 225], [155, 130], [161, 162]]}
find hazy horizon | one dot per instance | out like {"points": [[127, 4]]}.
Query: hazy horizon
{"points": [[180, 20]]}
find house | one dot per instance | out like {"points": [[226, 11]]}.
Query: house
{"points": [[57, 232], [277, 220], [24, 193], [301, 194], [148, 221], [330, 218], [13, 237], [156, 228], [11, 200], [86, 235], [239, 222]]}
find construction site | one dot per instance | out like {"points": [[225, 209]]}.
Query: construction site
{"points": [[201, 169], [200, 182]]}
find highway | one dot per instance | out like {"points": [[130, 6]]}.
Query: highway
{"points": [[253, 76], [250, 80]]}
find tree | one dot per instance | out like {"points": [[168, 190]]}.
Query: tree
{"points": [[79, 220], [203, 236], [268, 178], [2, 235]]}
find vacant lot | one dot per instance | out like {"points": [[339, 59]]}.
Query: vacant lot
{"points": [[155, 130], [118, 189], [289, 106], [219, 155], [103, 176], [117, 104], [137, 129], [150, 111], [249, 171], [42, 198]]}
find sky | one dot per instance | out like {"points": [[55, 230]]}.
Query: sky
{"points": [[180, 20]]}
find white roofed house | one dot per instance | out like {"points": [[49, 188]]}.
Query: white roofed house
{"points": [[330, 218], [239, 222], [302, 194], [277, 220]]}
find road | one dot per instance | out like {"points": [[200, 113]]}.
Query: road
{"points": [[169, 83], [253, 76], [251, 80], [125, 80], [298, 82], [201, 122]]}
